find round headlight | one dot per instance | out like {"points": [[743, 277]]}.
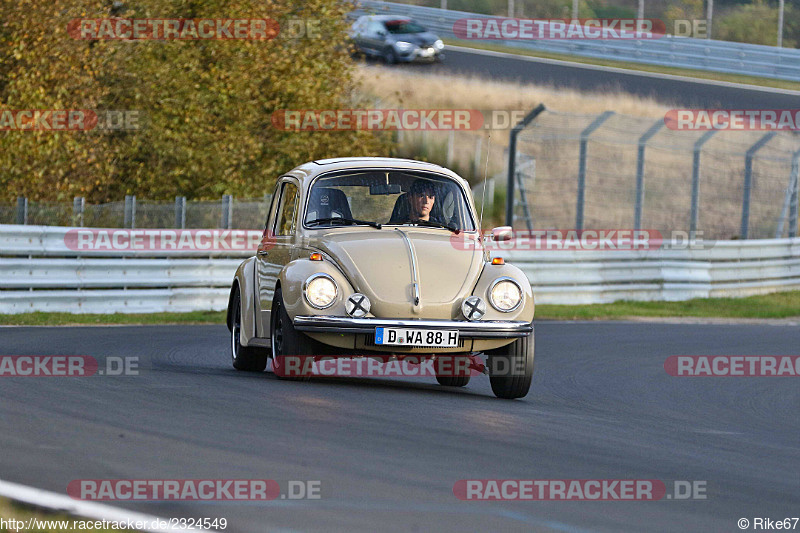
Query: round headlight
{"points": [[320, 291], [438, 44], [505, 295]]}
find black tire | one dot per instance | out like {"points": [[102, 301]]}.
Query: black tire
{"points": [[287, 341], [247, 358], [511, 368], [450, 380], [390, 57]]}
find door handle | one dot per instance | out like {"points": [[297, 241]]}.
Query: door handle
{"points": [[263, 252]]}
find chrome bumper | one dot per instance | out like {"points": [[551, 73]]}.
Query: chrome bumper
{"points": [[472, 330]]}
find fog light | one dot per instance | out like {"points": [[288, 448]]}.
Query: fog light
{"points": [[473, 308], [357, 305]]}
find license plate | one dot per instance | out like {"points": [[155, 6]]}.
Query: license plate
{"points": [[433, 338], [426, 52]]}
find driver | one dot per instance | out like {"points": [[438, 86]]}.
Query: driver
{"points": [[421, 197]]}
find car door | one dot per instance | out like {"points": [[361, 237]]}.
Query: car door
{"points": [[277, 247], [375, 38], [359, 33]]}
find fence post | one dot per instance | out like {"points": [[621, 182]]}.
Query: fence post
{"points": [[512, 155], [227, 211], [794, 184], [180, 212], [451, 147], [695, 215], [78, 206], [22, 210], [130, 211], [476, 161], [748, 181], [582, 166], [637, 212]]}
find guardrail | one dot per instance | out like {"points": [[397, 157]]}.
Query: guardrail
{"points": [[671, 51], [39, 272]]}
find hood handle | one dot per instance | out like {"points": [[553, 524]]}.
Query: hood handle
{"points": [[414, 276]]}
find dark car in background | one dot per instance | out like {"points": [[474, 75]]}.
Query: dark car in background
{"points": [[395, 39]]}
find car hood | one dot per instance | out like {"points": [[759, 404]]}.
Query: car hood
{"points": [[378, 264], [420, 39]]}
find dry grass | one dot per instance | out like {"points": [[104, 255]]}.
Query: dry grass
{"points": [[412, 89]]}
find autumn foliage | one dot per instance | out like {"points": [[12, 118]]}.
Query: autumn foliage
{"points": [[205, 105]]}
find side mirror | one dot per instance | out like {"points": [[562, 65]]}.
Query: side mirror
{"points": [[382, 34], [502, 233]]}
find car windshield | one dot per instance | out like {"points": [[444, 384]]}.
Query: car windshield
{"points": [[403, 26], [388, 197]]}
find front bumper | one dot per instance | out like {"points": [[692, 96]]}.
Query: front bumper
{"points": [[471, 330], [419, 53]]}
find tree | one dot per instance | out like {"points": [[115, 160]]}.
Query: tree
{"points": [[757, 23], [205, 105]]}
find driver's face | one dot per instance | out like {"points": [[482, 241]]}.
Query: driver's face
{"points": [[422, 203]]}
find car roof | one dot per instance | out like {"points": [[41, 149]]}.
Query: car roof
{"points": [[320, 166], [387, 18]]}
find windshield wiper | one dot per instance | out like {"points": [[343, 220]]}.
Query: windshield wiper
{"points": [[431, 224], [331, 220]]}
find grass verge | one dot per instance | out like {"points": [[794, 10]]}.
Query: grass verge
{"points": [[675, 71], [43, 522], [776, 305], [69, 319]]}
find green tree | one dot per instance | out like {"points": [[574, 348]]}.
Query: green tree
{"points": [[756, 23]]}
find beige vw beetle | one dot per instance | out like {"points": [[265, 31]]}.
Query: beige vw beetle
{"points": [[380, 257]]}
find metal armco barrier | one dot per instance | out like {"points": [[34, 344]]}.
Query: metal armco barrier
{"points": [[38, 272], [684, 52]]}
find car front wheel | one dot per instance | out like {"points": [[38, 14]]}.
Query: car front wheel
{"points": [[451, 375], [287, 342], [246, 358], [511, 368]]}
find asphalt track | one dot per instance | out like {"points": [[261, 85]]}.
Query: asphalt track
{"points": [[670, 90], [387, 452]]}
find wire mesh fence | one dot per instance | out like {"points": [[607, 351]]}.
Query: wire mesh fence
{"points": [[617, 171], [226, 213]]}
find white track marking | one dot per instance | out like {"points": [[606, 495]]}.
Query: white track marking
{"points": [[89, 510]]}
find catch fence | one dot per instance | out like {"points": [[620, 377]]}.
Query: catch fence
{"points": [[617, 171]]}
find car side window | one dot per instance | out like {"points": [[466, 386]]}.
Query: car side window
{"points": [[269, 223], [377, 29], [288, 205]]}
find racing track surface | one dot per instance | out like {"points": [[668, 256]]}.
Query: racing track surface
{"points": [[389, 451], [669, 90]]}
